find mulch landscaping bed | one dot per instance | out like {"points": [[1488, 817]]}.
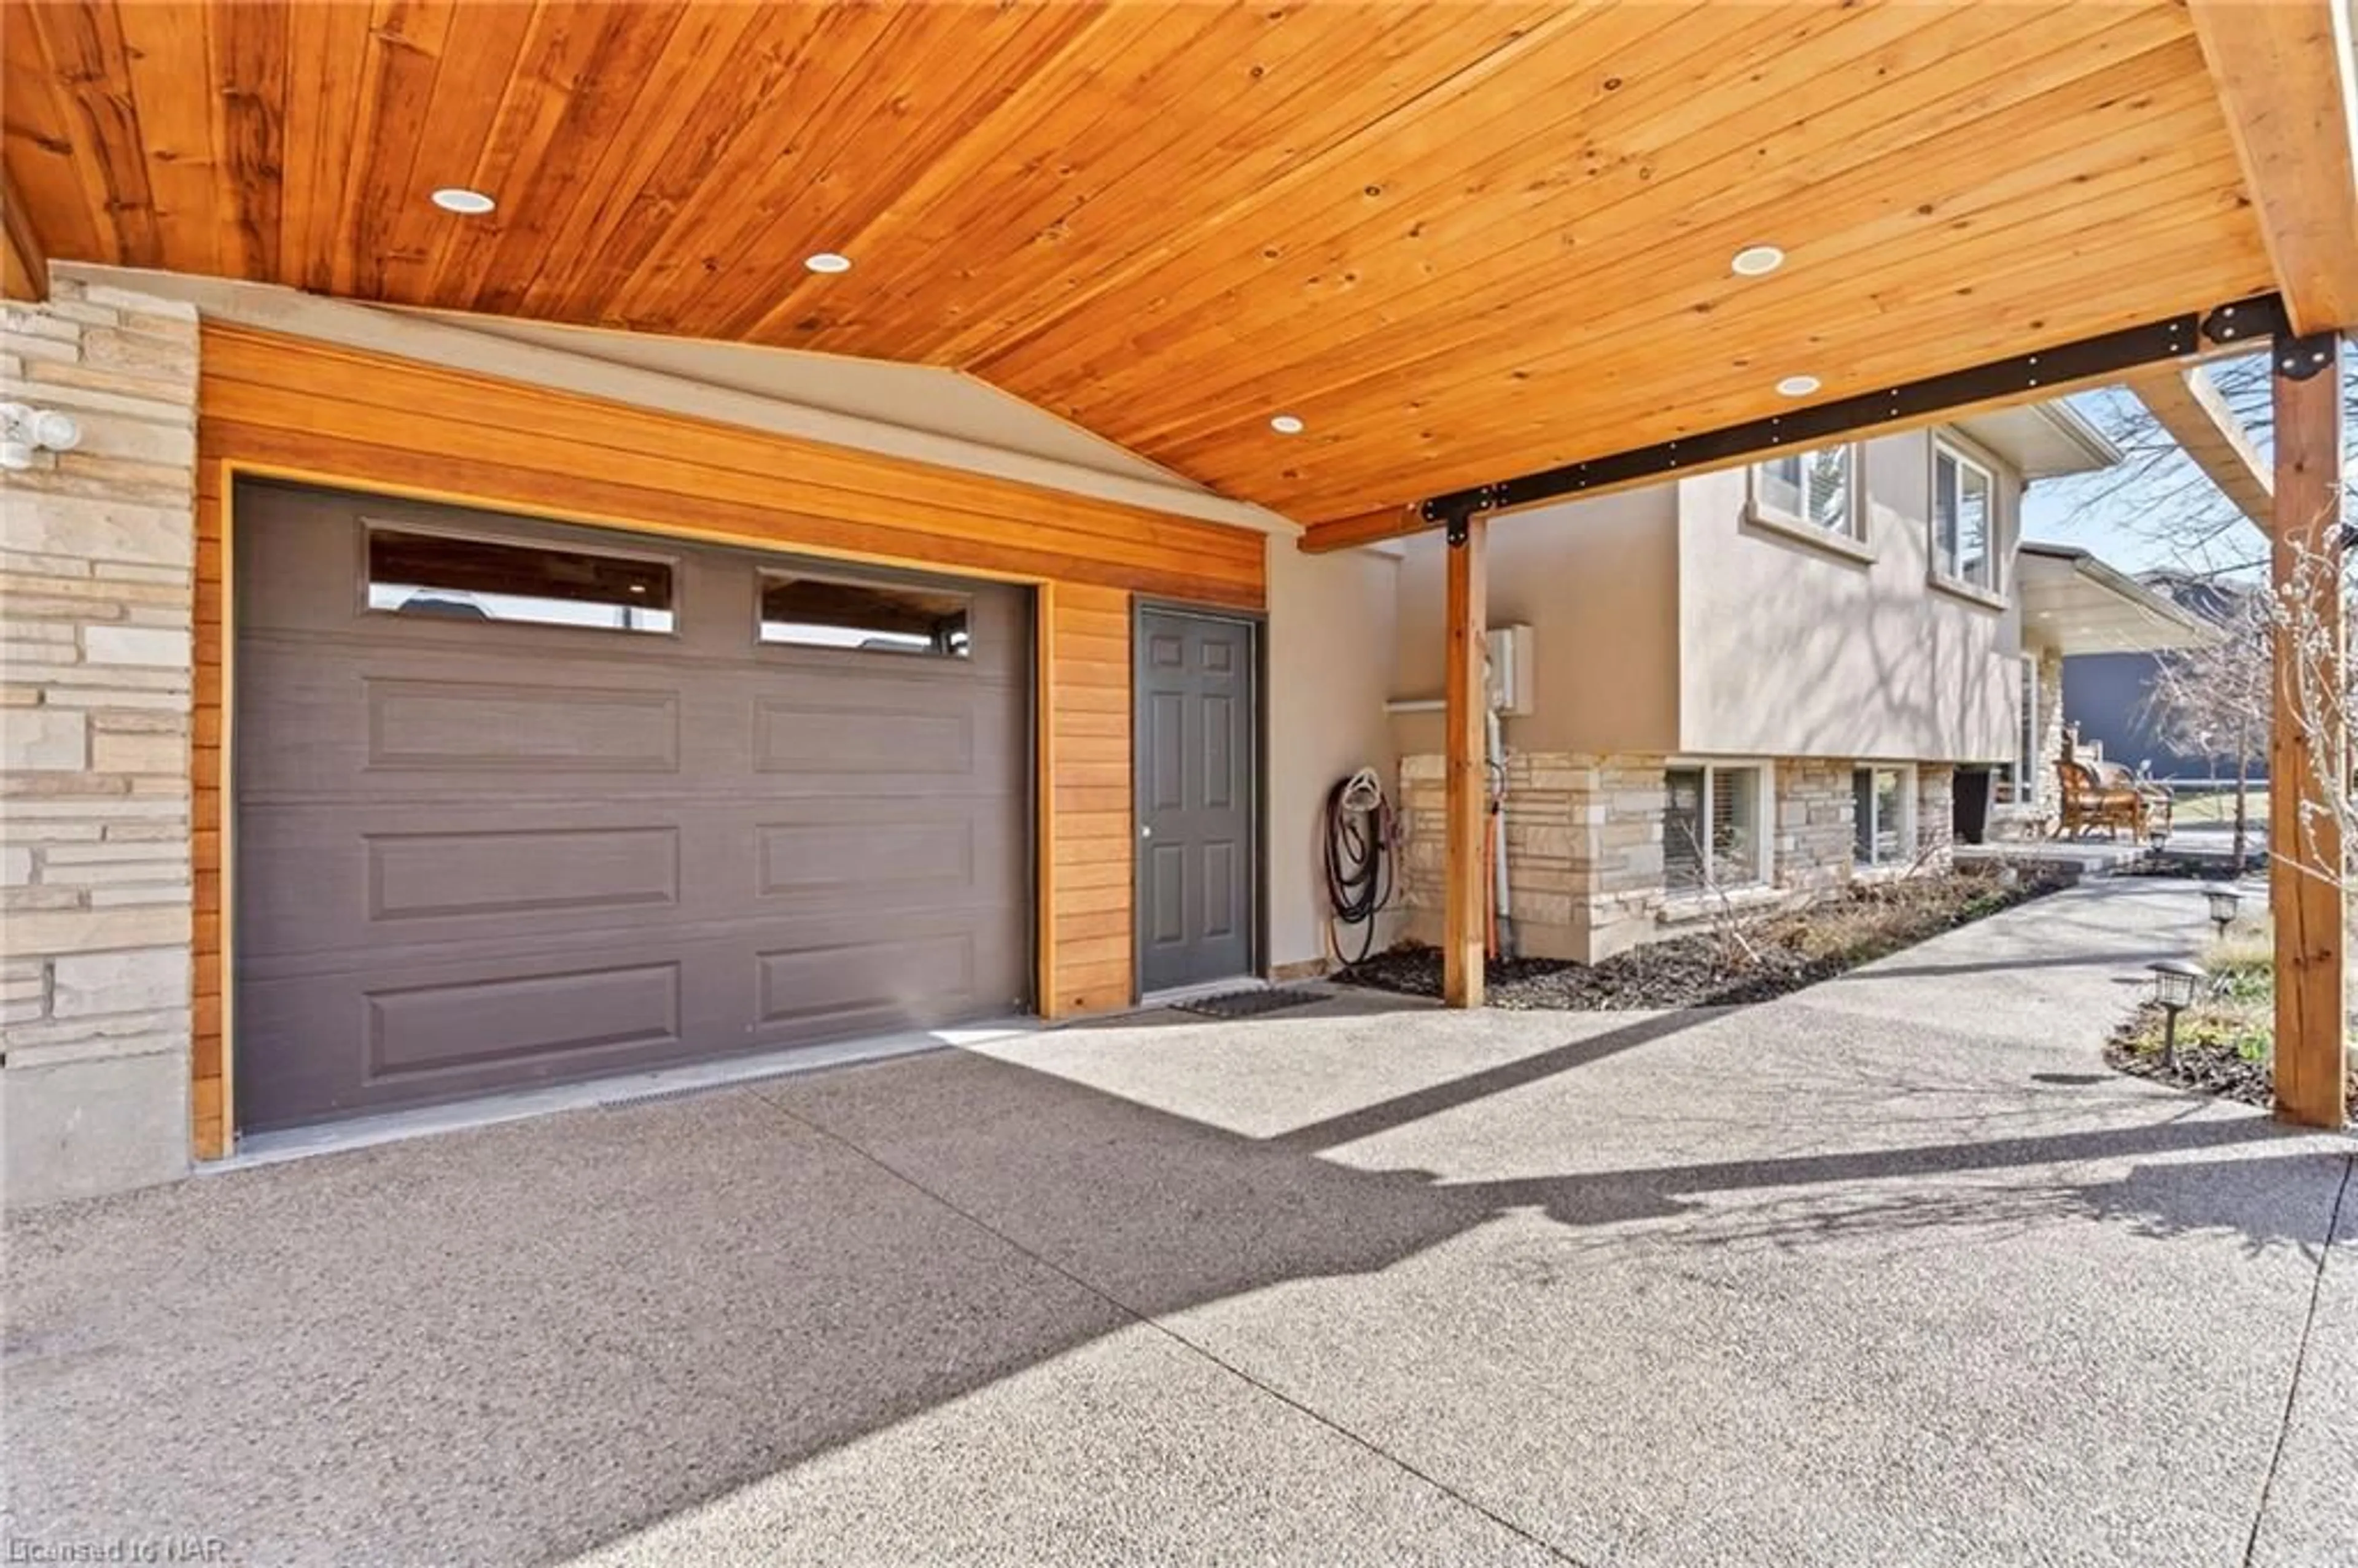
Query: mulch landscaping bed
{"points": [[1778, 953], [2211, 1067]]}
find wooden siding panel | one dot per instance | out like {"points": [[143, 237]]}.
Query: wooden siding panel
{"points": [[1086, 875], [281, 405], [210, 1129]]}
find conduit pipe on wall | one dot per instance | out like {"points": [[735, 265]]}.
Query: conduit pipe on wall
{"points": [[1501, 899]]}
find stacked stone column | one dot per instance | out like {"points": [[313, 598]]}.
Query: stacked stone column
{"points": [[97, 562]]}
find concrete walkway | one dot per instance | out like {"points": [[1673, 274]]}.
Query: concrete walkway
{"points": [[1891, 1272]]}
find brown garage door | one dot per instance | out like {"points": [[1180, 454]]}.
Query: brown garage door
{"points": [[519, 804]]}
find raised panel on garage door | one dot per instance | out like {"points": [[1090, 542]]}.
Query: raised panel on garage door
{"points": [[477, 853]]}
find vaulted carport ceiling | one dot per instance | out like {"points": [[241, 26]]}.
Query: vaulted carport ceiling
{"points": [[1454, 242]]}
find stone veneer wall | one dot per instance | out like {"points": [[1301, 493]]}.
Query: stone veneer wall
{"points": [[1585, 845], [1584, 850], [2051, 719], [1936, 811], [1816, 831], [97, 561]]}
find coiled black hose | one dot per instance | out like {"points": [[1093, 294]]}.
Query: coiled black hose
{"points": [[1358, 859]]}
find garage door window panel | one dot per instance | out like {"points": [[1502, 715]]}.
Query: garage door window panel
{"points": [[461, 578], [805, 611]]}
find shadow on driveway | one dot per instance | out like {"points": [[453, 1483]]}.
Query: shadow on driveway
{"points": [[519, 1344]]}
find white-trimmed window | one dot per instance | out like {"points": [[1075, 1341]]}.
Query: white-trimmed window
{"points": [[1883, 815], [1816, 489], [1714, 826], [2025, 769], [1964, 519]]}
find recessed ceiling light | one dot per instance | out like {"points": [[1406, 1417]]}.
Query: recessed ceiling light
{"points": [[1757, 261], [459, 199], [828, 262], [1798, 385], [1285, 424]]}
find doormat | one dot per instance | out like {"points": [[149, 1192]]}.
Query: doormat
{"points": [[1247, 1004]]}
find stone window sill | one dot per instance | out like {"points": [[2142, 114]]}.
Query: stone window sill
{"points": [[1840, 546], [1686, 908], [1972, 594]]}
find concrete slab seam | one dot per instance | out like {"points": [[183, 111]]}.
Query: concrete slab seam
{"points": [[2300, 1358]]}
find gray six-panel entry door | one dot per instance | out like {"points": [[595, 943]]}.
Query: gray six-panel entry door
{"points": [[1197, 773], [519, 804]]}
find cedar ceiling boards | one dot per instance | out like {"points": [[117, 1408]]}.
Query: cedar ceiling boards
{"points": [[1458, 241]]}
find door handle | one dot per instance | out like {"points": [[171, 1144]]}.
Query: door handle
{"points": [[1144, 831]]}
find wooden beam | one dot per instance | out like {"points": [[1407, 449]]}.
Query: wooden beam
{"points": [[2037, 374], [2306, 748], [24, 264], [1462, 946], [1368, 528], [2187, 404], [1402, 521], [2284, 71]]}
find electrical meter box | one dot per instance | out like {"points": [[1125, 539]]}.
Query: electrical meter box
{"points": [[1510, 670]]}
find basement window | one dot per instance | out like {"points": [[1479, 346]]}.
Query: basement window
{"points": [[805, 611], [1711, 836], [1819, 489], [1965, 520], [1883, 815], [453, 576]]}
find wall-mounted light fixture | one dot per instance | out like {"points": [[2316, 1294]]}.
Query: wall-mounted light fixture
{"points": [[25, 430]]}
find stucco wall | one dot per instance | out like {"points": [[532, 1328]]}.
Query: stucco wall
{"points": [[1331, 625], [1598, 583], [1797, 650], [96, 593], [1663, 622]]}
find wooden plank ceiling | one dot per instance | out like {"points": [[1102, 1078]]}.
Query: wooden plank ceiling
{"points": [[1456, 242]]}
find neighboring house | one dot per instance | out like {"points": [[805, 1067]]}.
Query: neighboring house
{"points": [[2109, 695], [1754, 685]]}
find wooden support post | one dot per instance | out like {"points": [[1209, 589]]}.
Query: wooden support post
{"points": [[1463, 922], [24, 264], [2308, 749]]}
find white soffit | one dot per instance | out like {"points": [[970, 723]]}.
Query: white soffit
{"points": [[2076, 604], [2042, 440], [917, 413]]}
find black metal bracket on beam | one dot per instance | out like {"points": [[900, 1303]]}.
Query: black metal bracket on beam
{"points": [[2297, 359], [2255, 320], [1453, 519]]}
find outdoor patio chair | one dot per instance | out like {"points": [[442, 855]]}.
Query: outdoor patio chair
{"points": [[2157, 798], [2087, 801]]}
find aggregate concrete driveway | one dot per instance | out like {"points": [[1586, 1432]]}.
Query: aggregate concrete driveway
{"points": [[1891, 1272]]}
